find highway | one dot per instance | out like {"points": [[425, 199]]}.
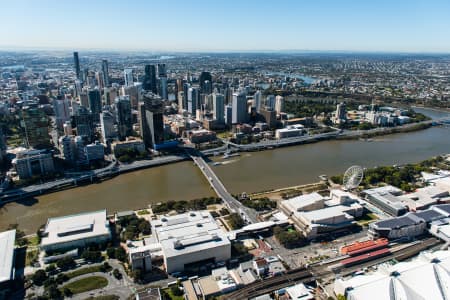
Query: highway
{"points": [[234, 205]]}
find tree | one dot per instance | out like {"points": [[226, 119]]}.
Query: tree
{"points": [[136, 275], [92, 256], [144, 227], [176, 291], [236, 221], [39, 277], [67, 292], [121, 254], [117, 274], [50, 268], [111, 252], [65, 263]]}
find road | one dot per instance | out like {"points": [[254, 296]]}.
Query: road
{"points": [[248, 214]]}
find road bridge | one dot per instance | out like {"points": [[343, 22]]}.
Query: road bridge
{"points": [[248, 214]]}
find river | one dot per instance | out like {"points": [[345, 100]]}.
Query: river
{"points": [[250, 172]]}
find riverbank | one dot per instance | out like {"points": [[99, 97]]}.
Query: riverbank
{"points": [[97, 176]]}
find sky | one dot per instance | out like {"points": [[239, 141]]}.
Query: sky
{"points": [[227, 25]]}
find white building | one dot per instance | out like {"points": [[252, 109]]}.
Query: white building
{"points": [[306, 202], [7, 239], [73, 231], [290, 131], [426, 277], [190, 238]]}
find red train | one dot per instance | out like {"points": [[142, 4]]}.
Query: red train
{"points": [[365, 257]]}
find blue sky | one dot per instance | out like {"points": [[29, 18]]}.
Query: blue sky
{"points": [[221, 25]]}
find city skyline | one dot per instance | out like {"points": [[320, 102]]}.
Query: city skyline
{"points": [[350, 26]]}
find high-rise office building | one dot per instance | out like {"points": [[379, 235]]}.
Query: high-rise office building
{"points": [[99, 80], [341, 113], [128, 75], [107, 120], [95, 103], [149, 81], [84, 123], [205, 81], [279, 104], [76, 62], [270, 102], [257, 99], [124, 118], [193, 99], [68, 148], [162, 72], [219, 107], [152, 123], [239, 104], [228, 114], [163, 87], [36, 125], [181, 106], [105, 70], [186, 87], [62, 112]]}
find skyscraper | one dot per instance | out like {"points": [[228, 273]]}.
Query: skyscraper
{"points": [[257, 98], [270, 102], [95, 103], [219, 107], [76, 61], [62, 113], [162, 70], [128, 75], [152, 124], [205, 80], [84, 123], [279, 104], [149, 82], [107, 126], [193, 97], [239, 105], [124, 120], [163, 87], [36, 125], [105, 70]]}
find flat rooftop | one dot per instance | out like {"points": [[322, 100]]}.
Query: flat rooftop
{"points": [[7, 239], [189, 232], [75, 227], [297, 203]]}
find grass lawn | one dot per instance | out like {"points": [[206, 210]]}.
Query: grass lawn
{"points": [[86, 284], [366, 219], [31, 257], [83, 271], [172, 296]]}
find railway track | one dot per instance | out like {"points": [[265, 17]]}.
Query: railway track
{"points": [[320, 270]]}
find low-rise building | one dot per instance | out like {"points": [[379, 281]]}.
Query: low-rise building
{"points": [[141, 258], [190, 238], [201, 136], [7, 270], [290, 131], [128, 145], [386, 199], [95, 151], [326, 220], [308, 202], [75, 231], [425, 277], [411, 224], [33, 162]]}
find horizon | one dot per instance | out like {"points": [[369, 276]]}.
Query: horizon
{"points": [[200, 26]]}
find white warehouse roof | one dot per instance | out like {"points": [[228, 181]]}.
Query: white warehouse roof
{"points": [[7, 239], [189, 232], [426, 277], [75, 227]]}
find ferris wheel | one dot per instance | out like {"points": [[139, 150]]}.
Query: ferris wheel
{"points": [[353, 177]]}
